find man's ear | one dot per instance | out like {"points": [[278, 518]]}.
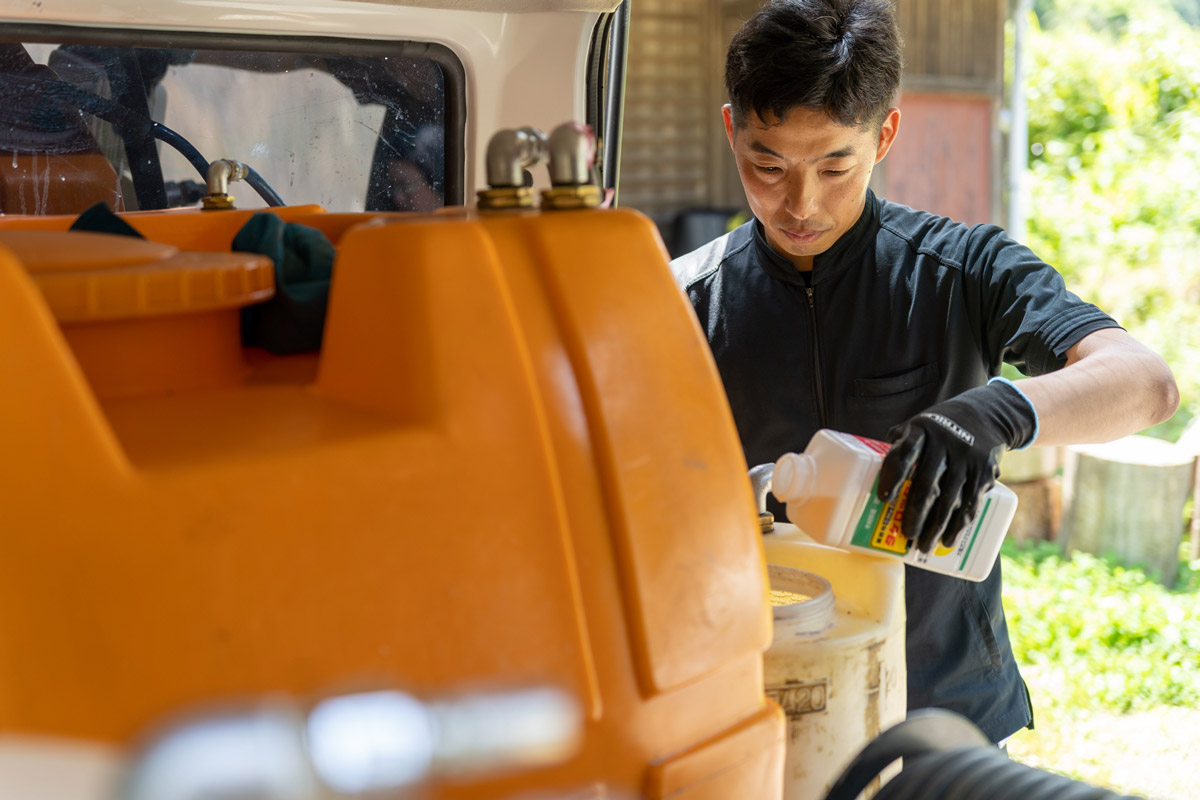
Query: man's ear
{"points": [[727, 113], [887, 133]]}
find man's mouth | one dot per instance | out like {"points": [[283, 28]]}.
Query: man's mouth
{"points": [[804, 236]]}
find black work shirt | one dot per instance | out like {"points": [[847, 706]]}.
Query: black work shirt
{"points": [[905, 310]]}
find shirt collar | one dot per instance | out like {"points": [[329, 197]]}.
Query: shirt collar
{"points": [[846, 251]]}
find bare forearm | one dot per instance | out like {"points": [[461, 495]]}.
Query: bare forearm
{"points": [[1111, 387]]}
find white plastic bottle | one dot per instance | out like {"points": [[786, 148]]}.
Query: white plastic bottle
{"points": [[829, 490]]}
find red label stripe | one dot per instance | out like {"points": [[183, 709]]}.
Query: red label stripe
{"points": [[876, 445]]}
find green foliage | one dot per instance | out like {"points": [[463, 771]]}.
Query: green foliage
{"points": [[1115, 169], [1092, 634], [1102, 14], [1114, 94]]}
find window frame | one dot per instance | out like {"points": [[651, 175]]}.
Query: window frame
{"points": [[455, 102]]}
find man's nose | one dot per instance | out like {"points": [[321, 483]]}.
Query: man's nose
{"points": [[802, 195]]}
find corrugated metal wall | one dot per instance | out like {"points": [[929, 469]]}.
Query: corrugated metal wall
{"points": [[947, 158], [667, 142], [956, 40]]}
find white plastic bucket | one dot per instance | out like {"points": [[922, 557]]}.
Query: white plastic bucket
{"points": [[836, 663]]}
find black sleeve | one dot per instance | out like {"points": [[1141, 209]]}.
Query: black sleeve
{"points": [[1029, 318]]}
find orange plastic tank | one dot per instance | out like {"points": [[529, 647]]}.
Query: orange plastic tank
{"points": [[79, 180], [510, 464]]}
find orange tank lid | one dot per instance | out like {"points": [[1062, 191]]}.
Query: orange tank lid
{"points": [[88, 277]]}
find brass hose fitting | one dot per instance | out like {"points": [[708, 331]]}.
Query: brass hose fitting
{"points": [[220, 173], [509, 154], [572, 161]]}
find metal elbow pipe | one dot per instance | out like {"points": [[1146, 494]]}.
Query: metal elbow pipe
{"points": [[762, 480], [510, 153], [221, 172], [571, 150], [218, 177], [572, 155]]}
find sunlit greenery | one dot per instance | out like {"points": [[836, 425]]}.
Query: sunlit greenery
{"points": [[1092, 634], [1112, 658], [1114, 111]]}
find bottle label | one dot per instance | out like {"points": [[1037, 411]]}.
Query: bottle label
{"points": [[879, 524], [878, 529]]}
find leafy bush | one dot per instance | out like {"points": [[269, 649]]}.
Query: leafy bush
{"points": [[1092, 634], [1115, 172]]}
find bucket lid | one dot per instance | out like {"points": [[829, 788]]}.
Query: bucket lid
{"points": [[813, 610]]}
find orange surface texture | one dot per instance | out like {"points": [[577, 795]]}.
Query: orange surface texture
{"points": [[510, 464]]}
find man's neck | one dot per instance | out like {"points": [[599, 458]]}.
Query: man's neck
{"points": [[801, 263]]}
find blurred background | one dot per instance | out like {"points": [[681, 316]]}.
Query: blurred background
{"points": [[1076, 125]]}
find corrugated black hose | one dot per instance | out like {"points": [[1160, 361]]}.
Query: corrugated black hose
{"points": [[948, 758]]}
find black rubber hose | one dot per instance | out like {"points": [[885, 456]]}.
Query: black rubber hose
{"points": [[264, 189], [200, 163], [188, 151], [983, 774], [183, 146], [130, 122], [948, 758], [923, 732]]}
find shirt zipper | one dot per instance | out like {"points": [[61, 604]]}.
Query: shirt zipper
{"points": [[812, 307]]}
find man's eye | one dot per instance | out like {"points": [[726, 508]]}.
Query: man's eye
{"points": [[767, 169], [834, 173]]}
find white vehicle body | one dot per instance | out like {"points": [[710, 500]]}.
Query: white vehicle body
{"points": [[504, 48]]}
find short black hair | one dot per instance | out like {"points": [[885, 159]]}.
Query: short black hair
{"points": [[841, 57]]}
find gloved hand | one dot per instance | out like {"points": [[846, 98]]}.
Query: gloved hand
{"points": [[950, 452]]}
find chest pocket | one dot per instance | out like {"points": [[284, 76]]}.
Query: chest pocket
{"points": [[876, 404]]}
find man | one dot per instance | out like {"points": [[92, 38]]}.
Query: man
{"points": [[833, 308]]}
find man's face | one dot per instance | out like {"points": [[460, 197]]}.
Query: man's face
{"points": [[806, 179]]}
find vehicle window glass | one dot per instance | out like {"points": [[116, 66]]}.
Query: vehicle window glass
{"points": [[350, 133]]}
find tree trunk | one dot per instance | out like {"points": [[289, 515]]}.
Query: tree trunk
{"points": [[1039, 510], [1126, 498], [1033, 475]]}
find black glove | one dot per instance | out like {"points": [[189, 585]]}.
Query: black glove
{"points": [[950, 452]]}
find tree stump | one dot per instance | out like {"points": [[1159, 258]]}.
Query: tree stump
{"points": [[1189, 441], [1033, 476], [1126, 498], [1039, 510]]}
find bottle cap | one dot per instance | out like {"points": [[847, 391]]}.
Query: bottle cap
{"points": [[793, 479]]}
